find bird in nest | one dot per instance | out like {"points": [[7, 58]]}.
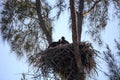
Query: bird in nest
{"points": [[61, 41]]}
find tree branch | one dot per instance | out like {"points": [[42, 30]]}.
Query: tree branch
{"points": [[79, 24], [80, 18], [87, 12], [42, 23], [75, 35]]}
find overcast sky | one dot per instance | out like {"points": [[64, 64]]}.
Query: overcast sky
{"points": [[11, 66]]}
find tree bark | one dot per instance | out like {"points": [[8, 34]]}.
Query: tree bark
{"points": [[75, 38], [42, 23], [80, 18], [80, 22]]}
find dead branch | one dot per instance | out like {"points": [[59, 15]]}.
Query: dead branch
{"points": [[87, 12]]}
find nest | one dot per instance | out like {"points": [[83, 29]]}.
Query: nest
{"points": [[61, 60]]}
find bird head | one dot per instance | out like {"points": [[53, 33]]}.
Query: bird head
{"points": [[63, 38]]}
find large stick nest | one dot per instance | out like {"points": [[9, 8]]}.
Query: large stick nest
{"points": [[61, 60]]}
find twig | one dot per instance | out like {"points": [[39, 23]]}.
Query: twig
{"points": [[87, 12]]}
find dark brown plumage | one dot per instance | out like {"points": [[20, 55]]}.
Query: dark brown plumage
{"points": [[54, 44], [63, 41]]}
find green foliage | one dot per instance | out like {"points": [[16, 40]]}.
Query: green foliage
{"points": [[97, 20], [20, 26], [113, 64], [99, 16], [19, 17]]}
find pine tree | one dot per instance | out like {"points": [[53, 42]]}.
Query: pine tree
{"points": [[27, 25]]}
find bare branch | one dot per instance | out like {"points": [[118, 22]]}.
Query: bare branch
{"points": [[41, 21], [87, 12]]}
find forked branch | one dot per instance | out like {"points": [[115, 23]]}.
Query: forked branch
{"points": [[41, 21], [87, 12]]}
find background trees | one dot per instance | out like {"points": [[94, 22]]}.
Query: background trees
{"points": [[27, 25]]}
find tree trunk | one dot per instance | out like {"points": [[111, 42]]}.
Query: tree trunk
{"points": [[76, 40], [79, 22], [42, 23], [80, 18]]}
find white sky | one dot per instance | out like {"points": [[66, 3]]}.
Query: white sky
{"points": [[10, 66]]}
